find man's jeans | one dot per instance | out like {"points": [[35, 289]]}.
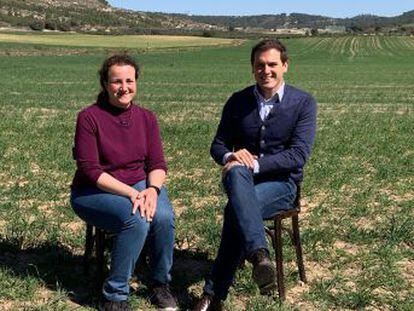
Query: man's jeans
{"points": [[243, 231], [114, 213]]}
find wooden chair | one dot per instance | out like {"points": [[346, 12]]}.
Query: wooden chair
{"points": [[273, 227], [100, 239], [95, 237]]}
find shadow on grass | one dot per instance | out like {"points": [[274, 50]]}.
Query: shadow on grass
{"points": [[59, 269], [189, 268]]}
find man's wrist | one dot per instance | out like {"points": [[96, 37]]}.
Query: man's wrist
{"points": [[226, 157], [256, 167]]}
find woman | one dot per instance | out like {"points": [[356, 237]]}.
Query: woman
{"points": [[118, 185]]}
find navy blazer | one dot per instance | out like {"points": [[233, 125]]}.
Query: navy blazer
{"points": [[283, 141]]}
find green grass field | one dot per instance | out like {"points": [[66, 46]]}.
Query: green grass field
{"points": [[357, 222]]}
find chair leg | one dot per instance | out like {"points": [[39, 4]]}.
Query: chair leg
{"points": [[100, 250], [279, 258], [298, 247], [89, 241]]}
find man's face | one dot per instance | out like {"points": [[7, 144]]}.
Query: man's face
{"points": [[268, 71]]}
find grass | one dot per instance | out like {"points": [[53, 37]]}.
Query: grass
{"points": [[357, 220], [124, 41]]}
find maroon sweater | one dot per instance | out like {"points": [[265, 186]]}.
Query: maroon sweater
{"points": [[124, 143]]}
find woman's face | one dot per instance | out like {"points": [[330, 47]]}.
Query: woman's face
{"points": [[121, 85]]}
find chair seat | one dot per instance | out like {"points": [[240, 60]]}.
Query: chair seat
{"points": [[284, 213]]}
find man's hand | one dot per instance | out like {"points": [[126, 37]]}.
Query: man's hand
{"points": [[244, 157]]}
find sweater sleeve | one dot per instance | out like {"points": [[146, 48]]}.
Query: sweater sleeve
{"points": [[86, 148], [297, 153], [155, 159], [223, 141]]}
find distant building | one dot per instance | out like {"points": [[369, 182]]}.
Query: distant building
{"points": [[333, 29]]}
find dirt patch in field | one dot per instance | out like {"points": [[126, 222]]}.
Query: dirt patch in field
{"points": [[317, 271], [195, 203], [6, 181], [376, 108], [348, 191], [7, 305], [190, 113], [317, 199], [196, 175], [406, 268], [49, 207], [350, 249], [367, 223], [185, 99], [39, 115], [204, 202], [183, 84], [403, 111], [178, 206], [309, 203], [295, 298], [74, 226], [352, 271], [45, 52], [405, 197]]}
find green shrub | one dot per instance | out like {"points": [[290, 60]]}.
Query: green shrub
{"points": [[37, 25], [51, 25]]}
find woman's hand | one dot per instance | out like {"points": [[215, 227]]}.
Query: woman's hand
{"points": [[147, 201], [134, 197]]}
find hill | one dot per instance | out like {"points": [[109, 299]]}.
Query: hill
{"points": [[360, 23], [87, 16], [99, 16]]}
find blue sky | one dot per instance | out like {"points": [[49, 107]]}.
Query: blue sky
{"points": [[331, 8]]}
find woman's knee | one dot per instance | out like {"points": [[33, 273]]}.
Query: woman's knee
{"points": [[164, 214]]}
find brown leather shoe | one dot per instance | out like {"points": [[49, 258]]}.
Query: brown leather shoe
{"points": [[264, 272], [208, 303]]}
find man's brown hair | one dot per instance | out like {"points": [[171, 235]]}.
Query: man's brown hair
{"points": [[269, 44]]}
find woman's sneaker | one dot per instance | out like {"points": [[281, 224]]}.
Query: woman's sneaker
{"points": [[107, 305], [162, 297]]}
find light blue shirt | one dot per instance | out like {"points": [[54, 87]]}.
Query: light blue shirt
{"points": [[264, 106]]}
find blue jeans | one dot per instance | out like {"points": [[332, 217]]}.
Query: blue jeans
{"points": [[243, 230], [114, 213]]}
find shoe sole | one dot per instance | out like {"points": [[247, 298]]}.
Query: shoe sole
{"points": [[264, 276], [168, 309]]}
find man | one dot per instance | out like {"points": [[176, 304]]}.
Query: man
{"points": [[263, 140]]}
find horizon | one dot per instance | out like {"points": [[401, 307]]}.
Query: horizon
{"points": [[324, 8]]}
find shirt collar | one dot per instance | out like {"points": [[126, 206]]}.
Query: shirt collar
{"points": [[260, 99]]}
